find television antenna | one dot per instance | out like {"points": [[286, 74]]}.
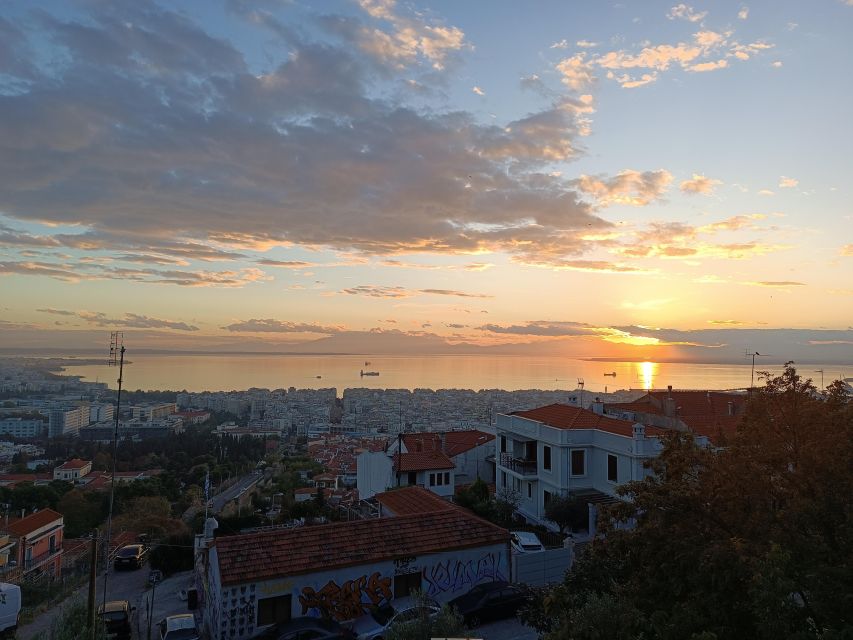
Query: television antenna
{"points": [[116, 359], [752, 372], [580, 386]]}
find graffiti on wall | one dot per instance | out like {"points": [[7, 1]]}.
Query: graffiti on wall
{"points": [[349, 600], [456, 575]]}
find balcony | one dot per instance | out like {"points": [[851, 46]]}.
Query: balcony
{"points": [[42, 558], [519, 465]]}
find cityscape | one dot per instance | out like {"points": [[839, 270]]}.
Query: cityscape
{"points": [[408, 320]]}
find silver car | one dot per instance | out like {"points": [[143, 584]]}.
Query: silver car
{"points": [[373, 626]]}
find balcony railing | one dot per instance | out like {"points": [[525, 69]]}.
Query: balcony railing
{"points": [[42, 558], [519, 465]]}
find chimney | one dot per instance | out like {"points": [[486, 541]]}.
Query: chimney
{"points": [[639, 431], [597, 407], [731, 408], [443, 437]]}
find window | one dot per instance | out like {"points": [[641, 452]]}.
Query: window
{"points": [[546, 497], [406, 583], [503, 479], [273, 610], [432, 479], [446, 477], [529, 489], [503, 444], [413, 478], [53, 544], [578, 462], [612, 468], [546, 457], [438, 479]]}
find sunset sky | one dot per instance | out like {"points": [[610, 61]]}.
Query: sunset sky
{"points": [[613, 179]]}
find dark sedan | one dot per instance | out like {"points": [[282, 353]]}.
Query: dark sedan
{"points": [[308, 628], [489, 601], [131, 556]]}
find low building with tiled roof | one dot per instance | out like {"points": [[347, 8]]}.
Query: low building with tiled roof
{"points": [[715, 415], [344, 569], [72, 470], [559, 449], [38, 542], [470, 450]]}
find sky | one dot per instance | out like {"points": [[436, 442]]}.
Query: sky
{"points": [[651, 180]]}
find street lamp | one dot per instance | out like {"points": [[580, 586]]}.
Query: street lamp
{"points": [[752, 373]]}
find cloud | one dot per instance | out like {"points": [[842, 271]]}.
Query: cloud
{"points": [[456, 326], [777, 283], [847, 250], [586, 44], [132, 320], [627, 187], [788, 183], [560, 44], [709, 66], [766, 192], [578, 74], [478, 91], [286, 264], [57, 312], [776, 64], [685, 12], [726, 322], [743, 14], [451, 292], [699, 184], [478, 266], [544, 328], [372, 291], [269, 325]]}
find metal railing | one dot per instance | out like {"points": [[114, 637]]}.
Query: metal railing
{"points": [[519, 465], [42, 558]]}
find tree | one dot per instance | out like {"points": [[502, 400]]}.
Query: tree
{"points": [[752, 540], [446, 624], [567, 512]]}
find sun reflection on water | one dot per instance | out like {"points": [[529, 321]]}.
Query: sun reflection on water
{"points": [[647, 372]]}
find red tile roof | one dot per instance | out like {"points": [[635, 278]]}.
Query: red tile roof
{"points": [[422, 461], [75, 463], [32, 522], [412, 500], [285, 552], [562, 416], [455, 442]]}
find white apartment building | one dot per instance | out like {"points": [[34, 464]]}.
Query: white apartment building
{"points": [[21, 427], [557, 449], [67, 422]]}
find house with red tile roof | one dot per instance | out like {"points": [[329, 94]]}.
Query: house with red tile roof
{"points": [[342, 570], [712, 414], [558, 449], [72, 470], [433, 460], [38, 542]]}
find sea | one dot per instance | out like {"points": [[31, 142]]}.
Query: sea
{"points": [[226, 372]]}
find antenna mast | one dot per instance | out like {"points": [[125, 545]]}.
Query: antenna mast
{"points": [[580, 384], [116, 359]]}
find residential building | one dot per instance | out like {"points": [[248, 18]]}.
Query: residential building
{"points": [[22, 427], [151, 412], [38, 542], [73, 470], [65, 421], [101, 412], [247, 583], [557, 449]]}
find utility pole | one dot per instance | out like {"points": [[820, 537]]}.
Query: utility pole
{"points": [[116, 354], [820, 371], [93, 572], [752, 372]]}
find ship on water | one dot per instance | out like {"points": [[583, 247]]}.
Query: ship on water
{"points": [[363, 373]]}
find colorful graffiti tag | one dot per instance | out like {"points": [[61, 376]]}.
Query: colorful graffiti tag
{"points": [[349, 600], [455, 575]]}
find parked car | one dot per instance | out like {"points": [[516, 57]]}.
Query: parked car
{"points": [[131, 555], [117, 616], [373, 625], [525, 542], [309, 629], [179, 627], [489, 601]]}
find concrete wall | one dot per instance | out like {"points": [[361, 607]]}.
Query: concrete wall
{"points": [[349, 592], [541, 568], [374, 473]]}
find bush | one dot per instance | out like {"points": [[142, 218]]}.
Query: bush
{"points": [[173, 554]]}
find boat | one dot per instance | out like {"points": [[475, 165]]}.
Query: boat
{"points": [[318, 377], [363, 373], [366, 364], [610, 374]]}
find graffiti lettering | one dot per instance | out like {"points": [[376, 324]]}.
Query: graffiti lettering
{"points": [[349, 600], [454, 575], [403, 565]]}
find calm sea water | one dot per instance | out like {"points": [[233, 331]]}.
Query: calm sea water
{"points": [[236, 372]]}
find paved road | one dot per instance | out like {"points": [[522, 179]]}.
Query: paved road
{"points": [[218, 502], [125, 585]]}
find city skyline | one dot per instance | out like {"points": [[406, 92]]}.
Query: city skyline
{"points": [[665, 181]]}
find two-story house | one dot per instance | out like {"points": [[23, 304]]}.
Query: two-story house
{"points": [[38, 542], [557, 449], [72, 470]]}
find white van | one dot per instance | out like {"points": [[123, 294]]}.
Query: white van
{"points": [[525, 542], [178, 627], [10, 608]]}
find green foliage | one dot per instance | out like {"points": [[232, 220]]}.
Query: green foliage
{"points": [[82, 511], [567, 512], [447, 624], [173, 554], [750, 541], [71, 624], [28, 496]]}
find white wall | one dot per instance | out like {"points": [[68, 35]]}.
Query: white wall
{"points": [[374, 473]]}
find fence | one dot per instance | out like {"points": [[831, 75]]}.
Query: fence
{"points": [[542, 567]]}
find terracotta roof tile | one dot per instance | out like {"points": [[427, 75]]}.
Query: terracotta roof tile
{"points": [[412, 500], [422, 461], [74, 463], [455, 442], [563, 416], [285, 552], [32, 522]]}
